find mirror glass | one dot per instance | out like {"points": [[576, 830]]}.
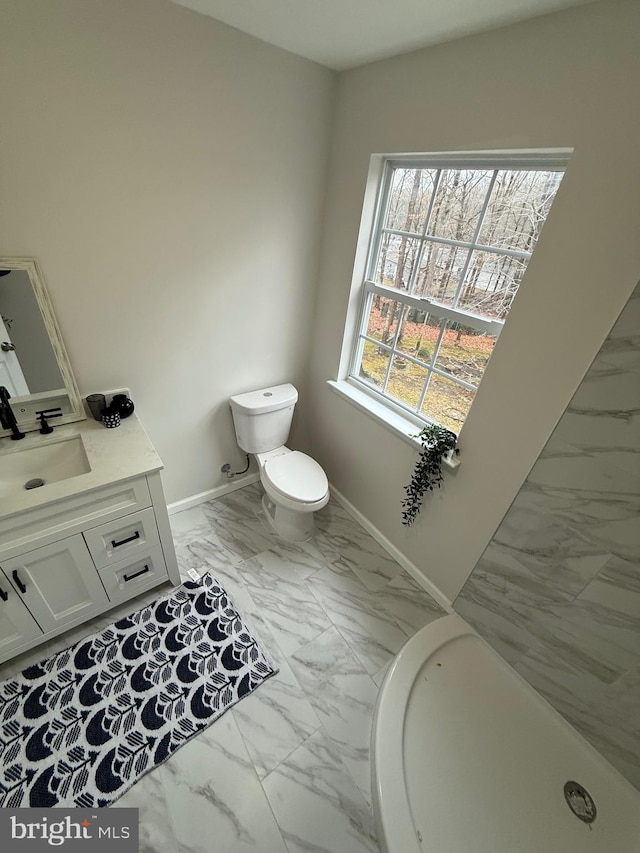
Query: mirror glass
{"points": [[34, 366]]}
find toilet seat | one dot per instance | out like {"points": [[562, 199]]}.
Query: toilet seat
{"points": [[296, 476]]}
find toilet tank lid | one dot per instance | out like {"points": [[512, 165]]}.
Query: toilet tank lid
{"points": [[265, 400]]}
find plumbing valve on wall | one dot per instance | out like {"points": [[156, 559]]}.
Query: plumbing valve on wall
{"points": [[226, 469]]}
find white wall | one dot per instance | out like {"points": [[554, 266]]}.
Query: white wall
{"points": [[569, 79], [168, 173]]}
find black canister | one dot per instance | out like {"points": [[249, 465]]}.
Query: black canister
{"points": [[111, 418], [123, 405]]}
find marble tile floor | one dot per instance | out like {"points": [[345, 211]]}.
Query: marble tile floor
{"points": [[287, 769]]}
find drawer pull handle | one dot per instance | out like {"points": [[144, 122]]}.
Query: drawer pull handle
{"points": [[137, 574], [3, 595], [135, 536], [19, 583]]}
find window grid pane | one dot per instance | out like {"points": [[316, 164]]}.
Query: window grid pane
{"points": [[447, 402], [403, 350], [440, 268], [410, 199], [490, 284], [459, 204], [464, 353], [396, 260], [462, 239]]}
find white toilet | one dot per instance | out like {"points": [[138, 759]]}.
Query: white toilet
{"points": [[295, 485]]}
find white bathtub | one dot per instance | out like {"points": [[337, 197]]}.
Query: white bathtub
{"points": [[467, 758]]}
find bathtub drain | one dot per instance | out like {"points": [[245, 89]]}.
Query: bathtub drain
{"points": [[580, 802]]}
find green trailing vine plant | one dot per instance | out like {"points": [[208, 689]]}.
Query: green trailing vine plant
{"points": [[436, 443]]}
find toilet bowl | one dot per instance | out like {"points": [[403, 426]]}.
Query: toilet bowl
{"points": [[295, 484], [295, 487]]}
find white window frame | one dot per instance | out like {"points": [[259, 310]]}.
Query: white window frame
{"points": [[373, 401]]}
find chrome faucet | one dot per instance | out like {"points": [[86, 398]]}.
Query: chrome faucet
{"points": [[7, 418]]}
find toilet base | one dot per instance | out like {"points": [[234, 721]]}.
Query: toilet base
{"points": [[290, 525]]}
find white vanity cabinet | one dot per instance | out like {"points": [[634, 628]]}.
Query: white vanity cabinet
{"points": [[94, 532], [65, 562]]}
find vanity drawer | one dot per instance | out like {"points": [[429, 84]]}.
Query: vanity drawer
{"points": [[129, 577], [51, 522], [122, 538]]}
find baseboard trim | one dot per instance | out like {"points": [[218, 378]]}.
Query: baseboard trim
{"points": [[362, 520], [390, 548], [211, 494]]}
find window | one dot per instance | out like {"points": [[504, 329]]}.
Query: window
{"points": [[450, 244]]}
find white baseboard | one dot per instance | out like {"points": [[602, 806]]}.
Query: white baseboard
{"points": [[218, 492], [398, 556], [363, 521]]}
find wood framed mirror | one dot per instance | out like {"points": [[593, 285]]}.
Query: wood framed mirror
{"points": [[34, 365]]}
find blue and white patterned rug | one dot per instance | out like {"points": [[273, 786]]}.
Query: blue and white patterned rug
{"points": [[80, 728]]}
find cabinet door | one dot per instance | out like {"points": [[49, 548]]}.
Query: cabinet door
{"points": [[58, 583], [17, 625]]}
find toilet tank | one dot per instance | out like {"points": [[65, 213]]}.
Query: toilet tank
{"points": [[263, 418]]}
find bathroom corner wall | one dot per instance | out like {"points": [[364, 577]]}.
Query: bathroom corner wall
{"points": [[557, 590]]}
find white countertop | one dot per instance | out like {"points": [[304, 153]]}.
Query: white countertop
{"points": [[114, 455]]}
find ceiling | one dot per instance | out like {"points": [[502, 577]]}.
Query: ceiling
{"points": [[344, 33]]}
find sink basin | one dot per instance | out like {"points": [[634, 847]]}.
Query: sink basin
{"points": [[52, 462]]}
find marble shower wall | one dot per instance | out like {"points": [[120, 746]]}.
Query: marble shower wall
{"points": [[557, 590]]}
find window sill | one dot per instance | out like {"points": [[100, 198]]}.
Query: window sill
{"points": [[403, 427]]}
